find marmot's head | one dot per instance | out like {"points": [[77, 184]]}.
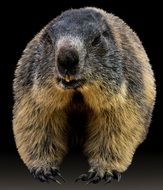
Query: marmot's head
{"points": [[79, 48]]}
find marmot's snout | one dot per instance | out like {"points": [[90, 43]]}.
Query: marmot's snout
{"points": [[67, 61]]}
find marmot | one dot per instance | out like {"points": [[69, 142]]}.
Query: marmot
{"points": [[85, 64]]}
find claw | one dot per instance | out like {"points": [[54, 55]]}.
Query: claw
{"points": [[82, 177], [43, 179], [40, 176], [51, 177], [94, 180], [33, 173], [46, 176], [91, 175], [117, 175], [59, 174], [85, 177], [108, 179], [57, 181]]}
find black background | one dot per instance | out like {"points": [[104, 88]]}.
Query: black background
{"points": [[21, 21]]}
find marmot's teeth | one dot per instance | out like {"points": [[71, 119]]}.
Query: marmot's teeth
{"points": [[68, 78]]}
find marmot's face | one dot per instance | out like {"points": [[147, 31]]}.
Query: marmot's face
{"points": [[82, 48]]}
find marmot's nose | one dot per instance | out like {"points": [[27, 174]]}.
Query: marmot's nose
{"points": [[67, 61]]}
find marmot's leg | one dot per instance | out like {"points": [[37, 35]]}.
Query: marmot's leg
{"points": [[40, 139], [113, 138]]}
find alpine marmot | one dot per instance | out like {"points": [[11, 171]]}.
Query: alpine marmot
{"points": [[86, 69]]}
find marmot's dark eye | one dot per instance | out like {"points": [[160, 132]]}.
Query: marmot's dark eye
{"points": [[105, 34], [96, 40]]}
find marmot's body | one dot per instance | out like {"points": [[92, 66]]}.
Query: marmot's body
{"points": [[90, 65]]}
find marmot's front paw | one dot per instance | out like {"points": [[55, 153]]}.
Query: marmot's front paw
{"points": [[94, 177], [45, 175]]}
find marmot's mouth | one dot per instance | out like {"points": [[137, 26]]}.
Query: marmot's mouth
{"points": [[72, 84]]}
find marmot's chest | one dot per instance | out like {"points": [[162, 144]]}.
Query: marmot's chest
{"points": [[78, 117]]}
